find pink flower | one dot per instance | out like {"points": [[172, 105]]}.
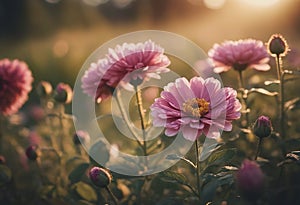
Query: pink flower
{"points": [[15, 84], [126, 65], [239, 55], [195, 107], [250, 180]]}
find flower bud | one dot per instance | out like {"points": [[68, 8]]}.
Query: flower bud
{"points": [[44, 89], [81, 137], [100, 177], [31, 152], [262, 127], [63, 93], [2, 159], [277, 45], [250, 180]]}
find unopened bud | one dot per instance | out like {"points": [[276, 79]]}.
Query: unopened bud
{"points": [[2, 159], [277, 45], [63, 93], [44, 89], [100, 177], [31, 152], [262, 127]]}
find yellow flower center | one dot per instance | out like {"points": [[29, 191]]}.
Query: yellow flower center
{"points": [[197, 107]]}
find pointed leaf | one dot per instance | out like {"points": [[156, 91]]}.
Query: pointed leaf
{"points": [[292, 104], [263, 91], [78, 172], [85, 191], [173, 177]]}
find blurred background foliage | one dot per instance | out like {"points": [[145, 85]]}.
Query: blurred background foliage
{"points": [[56, 36]]}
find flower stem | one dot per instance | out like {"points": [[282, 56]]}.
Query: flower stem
{"points": [[280, 75], [138, 95], [113, 197], [258, 148], [120, 105], [240, 77], [197, 167]]}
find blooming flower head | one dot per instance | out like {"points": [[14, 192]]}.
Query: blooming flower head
{"points": [[250, 180], [195, 107], [127, 65], [239, 55], [15, 84]]}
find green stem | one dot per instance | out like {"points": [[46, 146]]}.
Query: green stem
{"points": [[124, 116], [240, 77], [280, 75], [197, 167], [138, 96], [258, 148], [112, 196]]}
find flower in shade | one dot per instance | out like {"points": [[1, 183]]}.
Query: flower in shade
{"points": [[63, 93], [195, 107], [262, 127], [100, 177], [15, 84], [127, 65], [277, 45], [239, 55], [250, 180]]}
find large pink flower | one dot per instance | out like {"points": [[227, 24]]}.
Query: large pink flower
{"points": [[126, 65], [15, 84], [239, 55], [195, 107]]}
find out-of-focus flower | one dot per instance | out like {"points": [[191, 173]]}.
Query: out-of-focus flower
{"points": [[44, 89], [37, 113], [34, 138], [2, 159], [15, 84], [63, 93], [262, 127], [277, 45], [250, 180], [293, 59], [127, 65], [31, 152], [239, 55], [196, 107], [100, 177], [81, 137]]}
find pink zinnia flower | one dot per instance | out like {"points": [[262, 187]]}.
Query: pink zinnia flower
{"points": [[126, 65], [196, 107], [250, 179], [239, 55], [15, 84]]}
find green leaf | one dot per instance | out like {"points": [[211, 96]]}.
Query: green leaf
{"points": [[5, 175], [173, 177], [78, 172], [209, 191], [177, 157], [73, 162], [221, 157], [83, 202], [272, 82], [85, 191], [292, 104], [262, 91]]}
